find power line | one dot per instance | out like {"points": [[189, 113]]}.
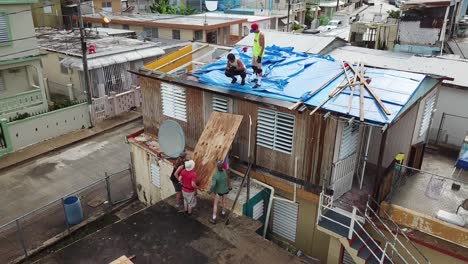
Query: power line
{"points": [[26, 10]]}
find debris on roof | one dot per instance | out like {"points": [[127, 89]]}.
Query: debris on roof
{"points": [[106, 50], [316, 81]]}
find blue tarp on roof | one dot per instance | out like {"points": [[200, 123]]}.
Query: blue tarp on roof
{"points": [[291, 76]]}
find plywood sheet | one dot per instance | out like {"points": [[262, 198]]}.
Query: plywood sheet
{"points": [[214, 144]]}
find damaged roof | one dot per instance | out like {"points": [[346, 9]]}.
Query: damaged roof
{"points": [[292, 77]]}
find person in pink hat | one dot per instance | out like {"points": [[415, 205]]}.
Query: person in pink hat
{"points": [[258, 53]]}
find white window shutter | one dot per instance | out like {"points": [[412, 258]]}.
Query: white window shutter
{"points": [[4, 31], [285, 216], [155, 175], [349, 140], [220, 104], [174, 101], [427, 114], [275, 130]]}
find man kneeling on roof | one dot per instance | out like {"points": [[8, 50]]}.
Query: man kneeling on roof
{"points": [[235, 67]]}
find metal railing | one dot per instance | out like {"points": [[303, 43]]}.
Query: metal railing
{"points": [[353, 231], [21, 100], [351, 227], [39, 228], [397, 230]]}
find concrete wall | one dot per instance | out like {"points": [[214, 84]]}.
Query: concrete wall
{"points": [[21, 26], [450, 101], [57, 80], [147, 192], [430, 225], [38, 128], [410, 33], [309, 240]]}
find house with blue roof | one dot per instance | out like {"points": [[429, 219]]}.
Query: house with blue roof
{"points": [[324, 134]]}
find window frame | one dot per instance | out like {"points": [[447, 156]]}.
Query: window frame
{"points": [[174, 32], [169, 99], [151, 31], [9, 42], [195, 35], [270, 130], [3, 87]]}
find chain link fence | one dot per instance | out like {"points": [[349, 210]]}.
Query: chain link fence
{"points": [[426, 192], [39, 228]]}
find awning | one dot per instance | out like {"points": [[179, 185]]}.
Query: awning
{"points": [[103, 61]]}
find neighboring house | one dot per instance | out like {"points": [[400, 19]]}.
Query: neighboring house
{"points": [[109, 61], [373, 35], [289, 147], [21, 82], [109, 6], [425, 26], [24, 101], [311, 44], [186, 28], [277, 11], [453, 94], [264, 23], [47, 13]]}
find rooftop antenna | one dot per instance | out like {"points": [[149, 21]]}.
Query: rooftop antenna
{"points": [[210, 6]]}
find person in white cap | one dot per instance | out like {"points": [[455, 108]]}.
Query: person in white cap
{"points": [[188, 179]]}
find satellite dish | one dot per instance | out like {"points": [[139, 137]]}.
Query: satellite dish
{"points": [[211, 5], [171, 138]]}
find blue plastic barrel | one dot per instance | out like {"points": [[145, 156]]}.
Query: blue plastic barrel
{"points": [[73, 210]]}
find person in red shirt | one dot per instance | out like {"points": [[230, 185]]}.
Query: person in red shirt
{"points": [[188, 177]]}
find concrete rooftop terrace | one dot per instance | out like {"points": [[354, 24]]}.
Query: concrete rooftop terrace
{"points": [[168, 21], [159, 234], [69, 43]]}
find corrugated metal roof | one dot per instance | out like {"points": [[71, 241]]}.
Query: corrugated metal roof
{"points": [[454, 68], [300, 42], [99, 62]]}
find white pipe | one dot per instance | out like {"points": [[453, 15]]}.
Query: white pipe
{"points": [[270, 203], [250, 133], [443, 31], [365, 158]]}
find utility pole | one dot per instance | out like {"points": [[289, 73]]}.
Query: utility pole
{"points": [[84, 51], [289, 10], [337, 5]]}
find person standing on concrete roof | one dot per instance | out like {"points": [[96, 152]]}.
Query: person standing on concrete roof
{"points": [[178, 166], [188, 178], [258, 53], [235, 67], [219, 186]]}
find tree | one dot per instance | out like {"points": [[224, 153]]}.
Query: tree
{"points": [[164, 7], [308, 17], [394, 14]]}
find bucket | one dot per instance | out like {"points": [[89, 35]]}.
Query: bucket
{"points": [[73, 210]]}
